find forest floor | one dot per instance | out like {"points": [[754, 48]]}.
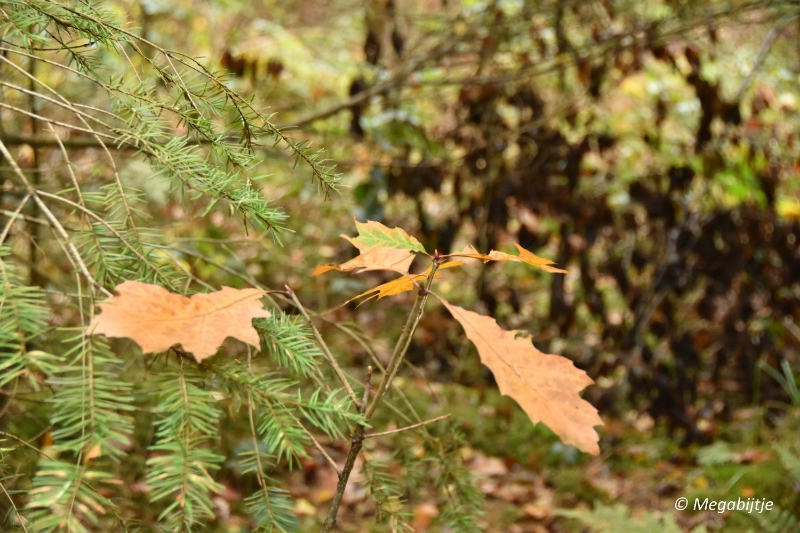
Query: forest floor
{"points": [[528, 477]]}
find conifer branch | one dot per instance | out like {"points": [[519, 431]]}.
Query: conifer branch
{"points": [[328, 355], [76, 256]]}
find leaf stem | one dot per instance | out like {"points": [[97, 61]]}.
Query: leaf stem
{"points": [[404, 341], [328, 355], [357, 439]]}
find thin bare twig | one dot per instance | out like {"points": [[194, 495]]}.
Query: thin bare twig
{"points": [[53, 221], [405, 339], [413, 426]]}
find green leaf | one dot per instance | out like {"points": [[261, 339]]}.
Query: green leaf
{"points": [[374, 234]]}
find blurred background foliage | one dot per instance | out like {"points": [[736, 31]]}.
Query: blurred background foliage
{"points": [[650, 148]]}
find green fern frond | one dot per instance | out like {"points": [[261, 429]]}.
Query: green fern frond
{"points": [[790, 459], [777, 521], [462, 499], [607, 519]]}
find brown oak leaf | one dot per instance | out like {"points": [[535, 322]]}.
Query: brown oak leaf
{"points": [[379, 258], [546, 386], [158, 319], [402, 284]]}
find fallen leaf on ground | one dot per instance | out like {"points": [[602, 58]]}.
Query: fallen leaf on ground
{"points": [[158, 319], [487, 466], [304, 507], [542, 507], [546, 386], [424, 513]]}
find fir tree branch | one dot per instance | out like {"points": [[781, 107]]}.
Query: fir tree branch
{"points": [[328, 355], [54, 221]]}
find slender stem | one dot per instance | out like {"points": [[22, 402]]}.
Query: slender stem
{"points": [[356, 442], [404, 341], [21, 518], [414, 426], [53, 221], [357, 439], [328, 355], [367, 389]]}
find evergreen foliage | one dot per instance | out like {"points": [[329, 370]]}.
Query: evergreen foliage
{"points": [[106, 439]]}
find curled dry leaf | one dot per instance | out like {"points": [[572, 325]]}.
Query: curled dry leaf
{"points": [[546, 386], [402, 284], [381, 248], [380, 258], [524, 257], [157, 319]]}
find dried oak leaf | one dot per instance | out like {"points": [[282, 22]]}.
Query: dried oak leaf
{"points": [[524, 257], [546, 386], [402, 284], [157, 319], [381, 249]]}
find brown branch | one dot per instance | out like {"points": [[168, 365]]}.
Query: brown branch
{"points": [[356, 442]]}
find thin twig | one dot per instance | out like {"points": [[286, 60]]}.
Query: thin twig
{"points": [[14, 506], [53, 221], [367, 389], [26, 443], [13, 217], [356, 442], [762, 54], [788, 324], [405, 339], [413, 426]]}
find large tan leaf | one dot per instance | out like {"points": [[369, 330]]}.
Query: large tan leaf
{"points": [[157, 319], [545, 385], [381, 248], [524, 257]]}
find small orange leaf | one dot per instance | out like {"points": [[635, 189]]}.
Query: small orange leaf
{"points": [[545, 386], [157, 319], [524, 257]]}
